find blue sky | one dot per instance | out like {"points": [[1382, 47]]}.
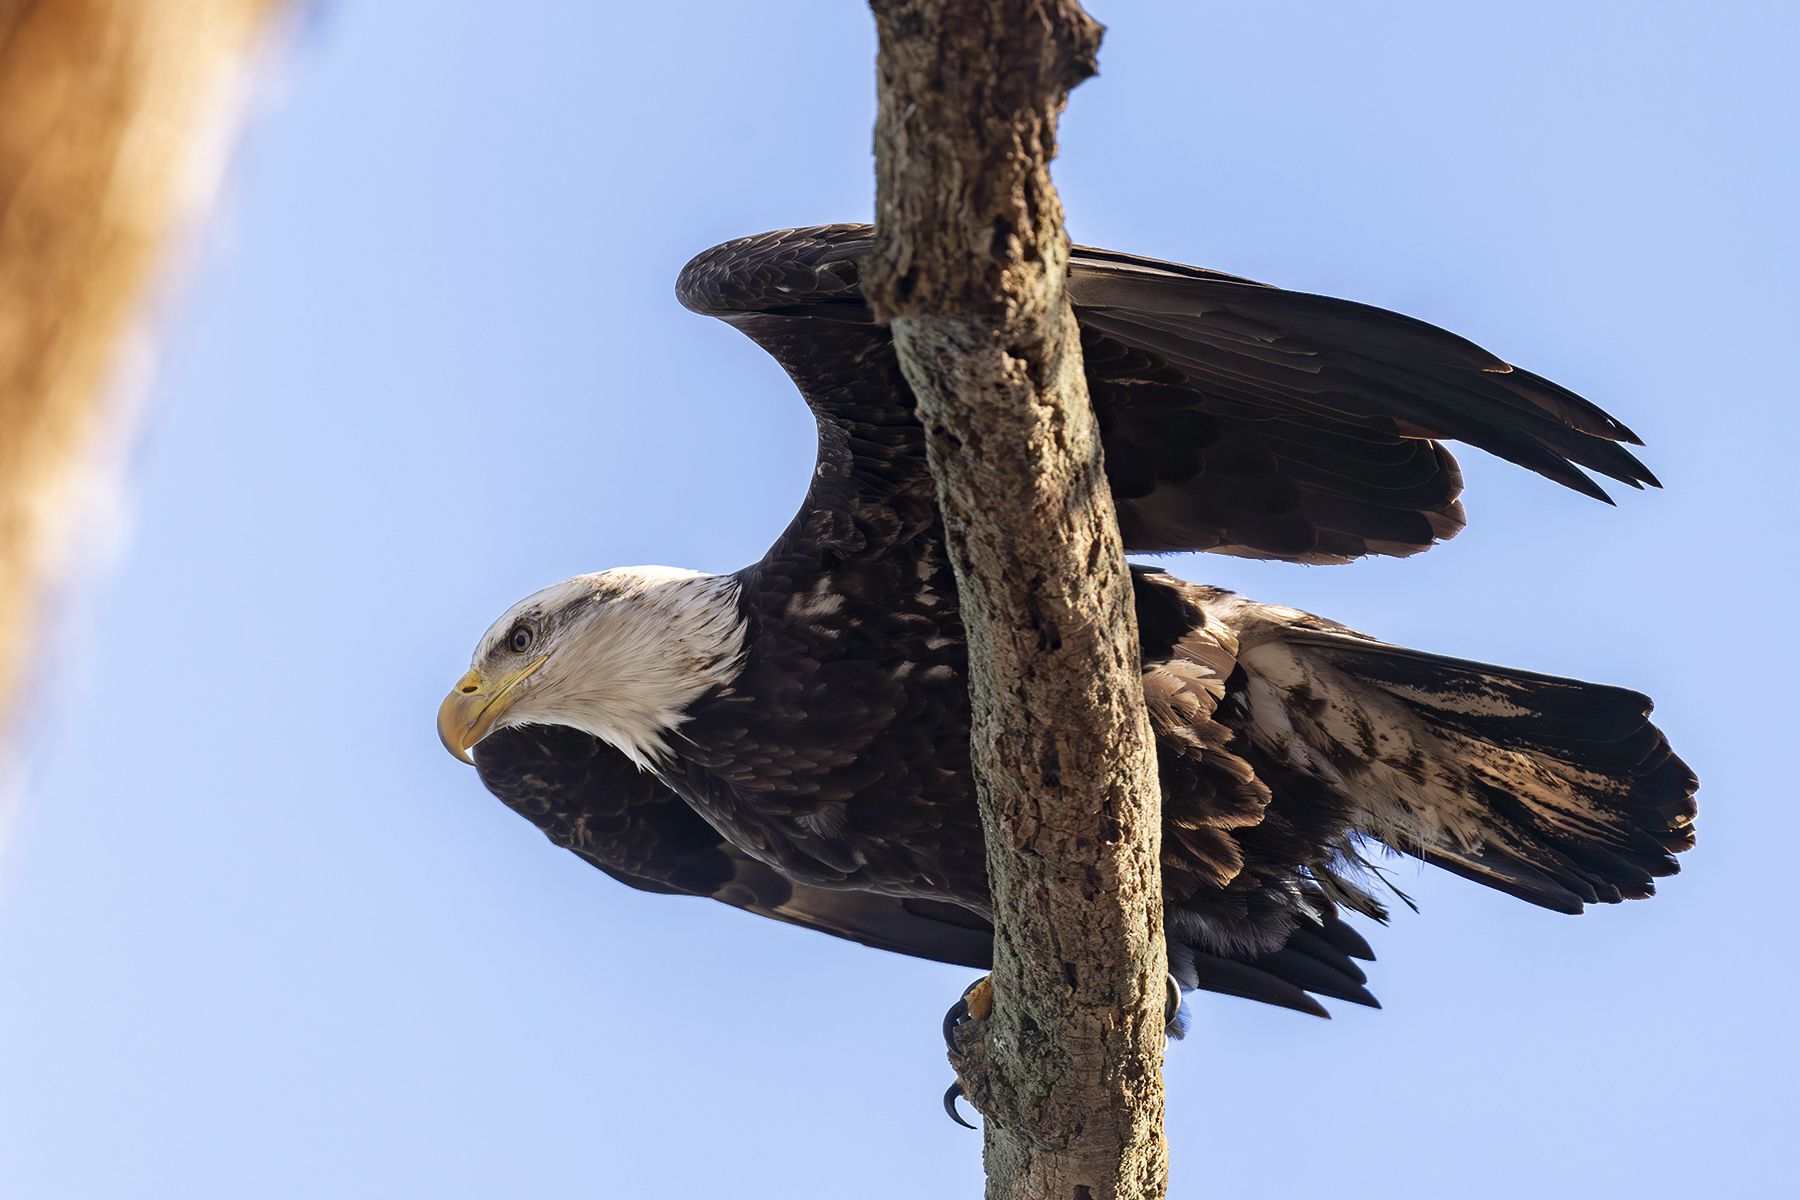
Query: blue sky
{"points": [[260, 936]]}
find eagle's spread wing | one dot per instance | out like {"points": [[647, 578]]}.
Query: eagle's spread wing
{"points": [[1553, 790], [1237, 417], [1252, 420]]}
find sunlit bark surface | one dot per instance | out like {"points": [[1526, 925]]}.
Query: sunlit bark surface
{"points": [[969, 269]]}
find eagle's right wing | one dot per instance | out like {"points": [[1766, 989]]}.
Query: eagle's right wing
{"points": [[1251, 420], [1237, 417]]}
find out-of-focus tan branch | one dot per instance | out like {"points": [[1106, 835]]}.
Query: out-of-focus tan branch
{"points": [[109, 110]]}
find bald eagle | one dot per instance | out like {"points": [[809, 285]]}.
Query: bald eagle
{"points": [[793, 739]]}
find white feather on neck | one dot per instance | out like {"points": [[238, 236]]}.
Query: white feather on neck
{"points": [[628, 650]]}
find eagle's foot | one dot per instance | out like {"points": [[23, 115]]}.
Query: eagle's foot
{"points": [[976, 1002]]}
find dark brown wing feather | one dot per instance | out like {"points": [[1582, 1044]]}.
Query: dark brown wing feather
{"points": [[1316, 415], [1237, 417]]}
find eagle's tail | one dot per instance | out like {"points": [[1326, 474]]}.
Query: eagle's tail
{"points": [[1318, 956]]}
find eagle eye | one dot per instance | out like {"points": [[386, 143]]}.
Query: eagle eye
{"points": [[520, 639]]}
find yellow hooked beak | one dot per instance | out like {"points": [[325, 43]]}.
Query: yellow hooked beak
{"points": [[469, 712]]}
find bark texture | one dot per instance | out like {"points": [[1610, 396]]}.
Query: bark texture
{"points": [[107, 109], [969, 269]]}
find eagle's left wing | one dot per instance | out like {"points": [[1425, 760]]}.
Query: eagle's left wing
{"points": [[1559, 792]]}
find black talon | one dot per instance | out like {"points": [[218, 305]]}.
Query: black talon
{"points": [[958, 1013], [1172, 1003], [950, 1104]]}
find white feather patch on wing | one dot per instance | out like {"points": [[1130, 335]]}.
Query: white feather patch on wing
{"points": [[1407, 786]]}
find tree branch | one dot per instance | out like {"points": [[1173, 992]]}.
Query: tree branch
{"points": [[107, 110], [969, 269]]}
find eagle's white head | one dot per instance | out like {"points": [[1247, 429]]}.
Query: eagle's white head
{"points": [[620, 654]]}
